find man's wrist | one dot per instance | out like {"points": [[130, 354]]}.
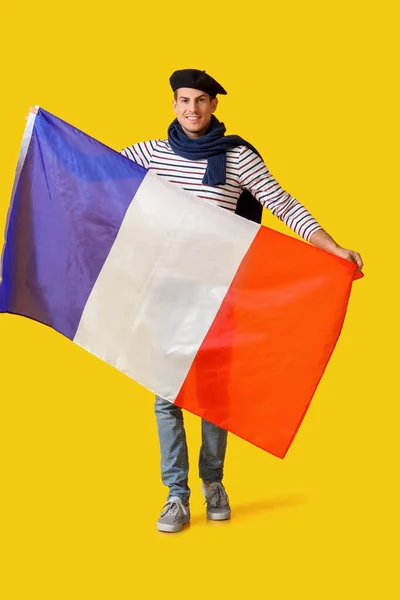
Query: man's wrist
{"points": [[322, 239]]}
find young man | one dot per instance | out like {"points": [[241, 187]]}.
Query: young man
{"points": [[198, 157]]}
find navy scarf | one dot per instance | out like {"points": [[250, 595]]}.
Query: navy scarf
{"points": [[213, 146]]}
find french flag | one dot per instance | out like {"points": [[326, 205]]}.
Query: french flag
{"points": [[227, 318]]}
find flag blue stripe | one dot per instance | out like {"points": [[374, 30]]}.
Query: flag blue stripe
{"points": [[70, 200]]}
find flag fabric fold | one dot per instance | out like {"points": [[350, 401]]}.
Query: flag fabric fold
{"points": [[228, 319]]}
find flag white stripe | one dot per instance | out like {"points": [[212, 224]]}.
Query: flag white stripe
{"points": [[161, 287]]}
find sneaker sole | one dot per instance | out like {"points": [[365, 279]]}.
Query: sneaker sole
{"points": [[219, 516], [165, 527]]}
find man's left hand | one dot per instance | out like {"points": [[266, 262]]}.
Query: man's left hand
{"points": [[349, 255]]}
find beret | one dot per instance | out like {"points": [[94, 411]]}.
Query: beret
{"points": [[198, 80]]}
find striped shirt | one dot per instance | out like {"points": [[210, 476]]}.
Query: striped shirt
{"points": [[244, 170]]}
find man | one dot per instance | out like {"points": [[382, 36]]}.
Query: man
{"points": [[190, 158], [198, 157]]}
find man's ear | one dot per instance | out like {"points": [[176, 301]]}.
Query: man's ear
{"points": [[174, 105], [214, 104]]}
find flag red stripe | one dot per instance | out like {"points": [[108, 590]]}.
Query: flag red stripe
{"points": [[262, 359]]}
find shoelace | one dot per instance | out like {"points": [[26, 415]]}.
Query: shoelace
{"points": [[217, 495], [172, 509]]}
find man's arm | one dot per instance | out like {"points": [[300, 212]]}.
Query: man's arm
{"points": [[141, 153], [256, 178], [322, 239]]}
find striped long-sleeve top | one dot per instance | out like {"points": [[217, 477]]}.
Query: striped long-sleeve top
{"points": [[244, 170]]}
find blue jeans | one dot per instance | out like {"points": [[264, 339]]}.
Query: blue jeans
{"points": [[174, 453]]}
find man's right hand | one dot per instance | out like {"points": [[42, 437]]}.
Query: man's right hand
{"points": [[32, 110]]}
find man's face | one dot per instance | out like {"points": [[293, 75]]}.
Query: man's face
{"points": [[193, 109]]}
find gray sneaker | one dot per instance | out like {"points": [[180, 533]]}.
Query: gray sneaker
{"points": [[218, 508], [173, 515]]}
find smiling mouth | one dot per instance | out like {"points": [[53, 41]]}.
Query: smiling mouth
{"points": [[193, 119]]}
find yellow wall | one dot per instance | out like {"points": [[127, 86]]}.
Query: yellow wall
{"points": [[313, 86]]}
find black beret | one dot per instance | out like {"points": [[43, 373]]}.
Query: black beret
{"points": [[198, 80]]}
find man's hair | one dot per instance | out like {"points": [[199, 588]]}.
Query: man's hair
{"points": [[176, 95]]}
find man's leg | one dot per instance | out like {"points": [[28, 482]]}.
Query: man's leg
{"points": [[211, 470], [174, 453], [212, 452]]}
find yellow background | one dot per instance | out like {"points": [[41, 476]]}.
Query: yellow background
{"points": [[313, 86]]}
